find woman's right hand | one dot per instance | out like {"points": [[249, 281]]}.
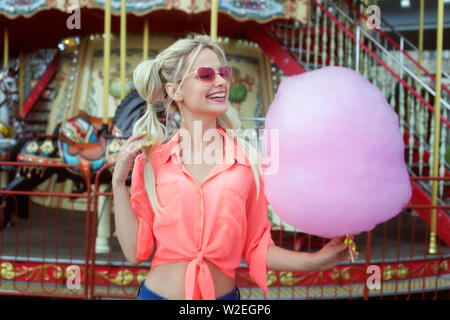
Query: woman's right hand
{"points": [[335, 251], [127, 152]]}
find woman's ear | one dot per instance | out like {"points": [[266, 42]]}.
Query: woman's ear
{"points": [[171, 90]]}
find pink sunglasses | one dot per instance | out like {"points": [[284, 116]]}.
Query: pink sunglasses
{"points": [[208, 74]]}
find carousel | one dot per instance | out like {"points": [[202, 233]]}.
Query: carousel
{"points": [[67, 103]]}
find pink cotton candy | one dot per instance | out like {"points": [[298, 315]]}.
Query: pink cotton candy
{"points": [[341, 154]]}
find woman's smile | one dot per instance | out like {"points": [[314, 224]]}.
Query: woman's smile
{"points": [[218, 96]]}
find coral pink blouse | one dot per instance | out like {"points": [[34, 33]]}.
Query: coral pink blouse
{"points": [[220, 220]]}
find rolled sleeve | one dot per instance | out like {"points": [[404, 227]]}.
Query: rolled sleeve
{"points": [[258, 237], [142, 209]]}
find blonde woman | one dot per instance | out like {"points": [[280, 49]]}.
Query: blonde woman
{"points": [[202, 216]]}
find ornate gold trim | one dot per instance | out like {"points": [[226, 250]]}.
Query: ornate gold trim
{"points": [[47, 146], [9, 272], [33, 147]]}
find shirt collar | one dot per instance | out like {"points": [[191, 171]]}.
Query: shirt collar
{"points": [[172, 149]]}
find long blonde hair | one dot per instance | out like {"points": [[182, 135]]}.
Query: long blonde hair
{"points": [[150, 79]]}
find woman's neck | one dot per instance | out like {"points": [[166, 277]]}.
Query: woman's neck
{"points": [[196, 130], [199, 141]]}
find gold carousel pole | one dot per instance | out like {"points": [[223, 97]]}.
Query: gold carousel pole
{"points": [[145, 41], [21, 83], [5, 49], [106, 56], [421, 35], [437, 113], [214, 18], [123, 49], [3, 174]]}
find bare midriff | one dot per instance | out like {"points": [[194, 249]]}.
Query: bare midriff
{"points": [[167, 280]]}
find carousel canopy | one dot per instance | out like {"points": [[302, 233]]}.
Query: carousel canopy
{"points": [[42, 23]]}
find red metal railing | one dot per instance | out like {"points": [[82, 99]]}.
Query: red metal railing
{"points": [[419, 195], [379, 60], [117, 277], [275, 51], [30, 267], [396, 45], [35, 254]]}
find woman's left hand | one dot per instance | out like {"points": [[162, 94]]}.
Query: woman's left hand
{"points": [[334, 252]]}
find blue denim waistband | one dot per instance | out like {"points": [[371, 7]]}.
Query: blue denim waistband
{"points": [[144, 293]]}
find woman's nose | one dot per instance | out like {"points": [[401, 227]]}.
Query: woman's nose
{"points": [[219, 80]]}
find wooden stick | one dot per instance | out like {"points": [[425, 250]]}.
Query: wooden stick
{"points": [[350, 250]]}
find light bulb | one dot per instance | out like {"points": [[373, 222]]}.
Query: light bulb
{"points": [[405, 3]]}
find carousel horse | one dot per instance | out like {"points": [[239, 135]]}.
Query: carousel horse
{"points": [[9, 97], [78, 141]]}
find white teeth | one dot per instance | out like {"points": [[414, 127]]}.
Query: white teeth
{"points": [[217, 95]]}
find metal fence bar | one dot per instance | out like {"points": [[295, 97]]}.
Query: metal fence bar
{"points": [[44, 273]]}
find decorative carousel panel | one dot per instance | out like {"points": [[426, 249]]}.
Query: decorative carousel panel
{"points": [[91, 84], [13, 8], [79, 87], [134, 6], [248, 91], [266, 9], [259, 10], [66, 84]]}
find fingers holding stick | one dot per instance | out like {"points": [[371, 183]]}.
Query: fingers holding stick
{"points": [[351, 247], [129, 150]]}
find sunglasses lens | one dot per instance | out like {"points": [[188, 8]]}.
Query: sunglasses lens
{"points": [[206, 74], [225, 72]]}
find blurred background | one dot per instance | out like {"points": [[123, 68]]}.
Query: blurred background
{"points": [[67, 102]]}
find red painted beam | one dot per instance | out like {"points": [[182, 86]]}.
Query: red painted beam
{"points": [[275, 51], [40, 86]]}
